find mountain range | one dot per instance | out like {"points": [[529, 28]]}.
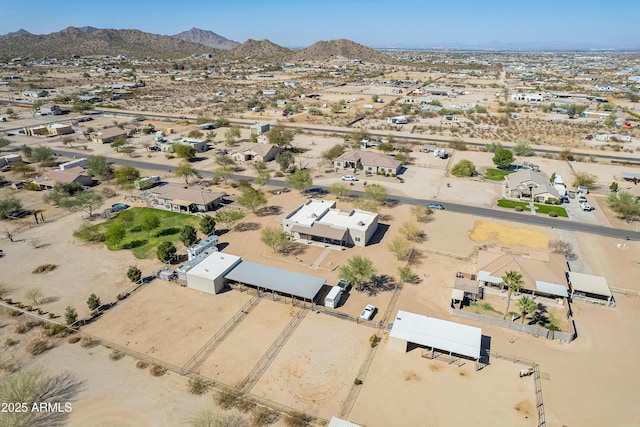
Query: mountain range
{"points": [[207, 38], [88, 41]]}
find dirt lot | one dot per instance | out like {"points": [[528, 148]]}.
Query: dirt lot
{"points": [[321, 359], [432, 392], [158, 320], [317, 366], [232, 361]]}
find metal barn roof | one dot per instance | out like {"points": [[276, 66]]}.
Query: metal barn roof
{"points": [[338, 422], [276, 279], [437, 333], [551, 288], [588, 283]]}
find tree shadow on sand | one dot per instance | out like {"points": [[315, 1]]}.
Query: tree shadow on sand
{"points": [[269, 211], [247, 226], [382, 283], [293, 249]]}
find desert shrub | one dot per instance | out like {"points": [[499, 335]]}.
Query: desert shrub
{"points": [[44, 268], [141, 364], [297, 419], [134, 274], [108, 193], [73, 340], [373, 340], [561, 247], [518, 209], [39, 346], [245, 405], [55, 330], [10, 342], [32, 186], [157, 371], [197, 386], [88, 342], [226, 400], [21, 328], [51, 315], [116, 355], [263, 416], [122, 296], [15, 313], [89, 233], [553, 214], [357, 381]]}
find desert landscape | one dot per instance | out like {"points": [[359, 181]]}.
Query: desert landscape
{"points": [[96, 293]]}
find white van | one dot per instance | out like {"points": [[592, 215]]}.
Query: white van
{"points": [[333, 297]]}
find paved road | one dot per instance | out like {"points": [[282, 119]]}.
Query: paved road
{"points": [[343, 131], [421, 139], [493, 213]]}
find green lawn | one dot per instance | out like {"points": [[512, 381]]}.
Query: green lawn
{"points": [[540, 208], [139, 241], [497, 174]]}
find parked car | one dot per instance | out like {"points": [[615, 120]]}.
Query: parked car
{"points": [[117, 207], [154, 148], [349, 178], [436, 206], [368, 312], [581, 198], [586, 206]]}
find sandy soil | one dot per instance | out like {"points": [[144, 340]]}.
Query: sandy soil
{"points": [[236, 356], [317, 366], [158, 320], [70, 283], [422, 392], [117, 393], [321, 359]]}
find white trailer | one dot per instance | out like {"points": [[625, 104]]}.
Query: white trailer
{"points": [[442, 153], [333, 297], [210, 242], [73, 163]]}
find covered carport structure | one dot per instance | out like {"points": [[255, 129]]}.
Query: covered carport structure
{"points": [[439, 335], [276, 280], [590, 288]]}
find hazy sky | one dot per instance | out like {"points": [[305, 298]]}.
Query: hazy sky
{"points": [[375, 23]]}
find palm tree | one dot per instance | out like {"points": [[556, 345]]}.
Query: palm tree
{"points": [[527, 306], [513, 281]]}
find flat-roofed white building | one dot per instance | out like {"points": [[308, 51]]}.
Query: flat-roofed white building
{"points": [[208, 274], [319, 220]]}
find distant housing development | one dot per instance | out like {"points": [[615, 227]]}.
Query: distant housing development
{"points": [[319, 220]]}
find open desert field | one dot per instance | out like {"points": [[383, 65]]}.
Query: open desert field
{"points": [[316, 368], [166, 321], [424, 392], [232, 361]]}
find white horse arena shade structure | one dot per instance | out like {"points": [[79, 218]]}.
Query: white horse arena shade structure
{"points": [[441, 335]]}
